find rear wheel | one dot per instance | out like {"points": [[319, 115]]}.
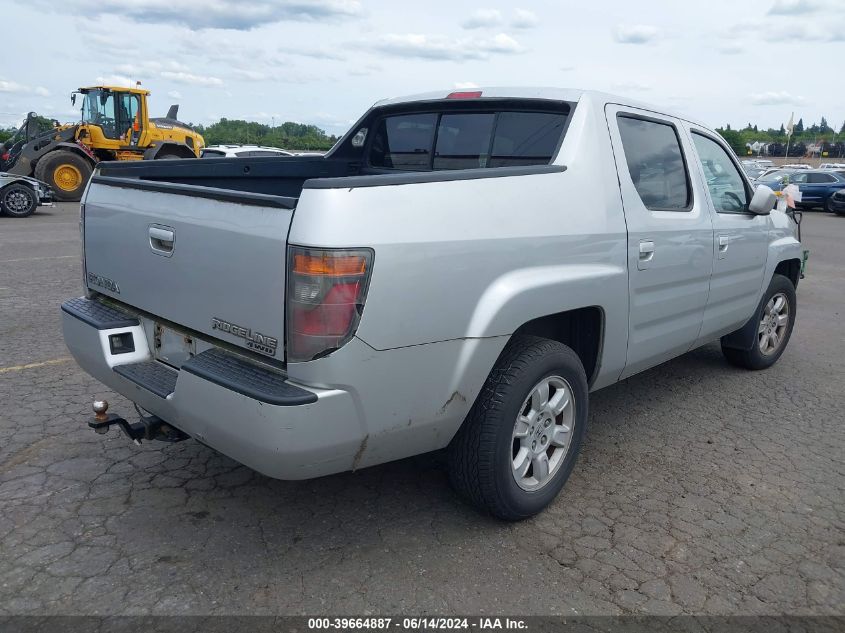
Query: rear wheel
{"points": [[18, 201], [66, 172], [775, 319], [520, 441]]}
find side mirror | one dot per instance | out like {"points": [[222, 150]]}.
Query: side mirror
{"points": [[763, 201]]}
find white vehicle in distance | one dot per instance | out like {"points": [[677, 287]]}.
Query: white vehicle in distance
{"points": [[241, 151], [832, 166]]}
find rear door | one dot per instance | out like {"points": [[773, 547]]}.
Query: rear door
{"points": [[209, 260], [817, 188], [670, 236], [741, 237]]}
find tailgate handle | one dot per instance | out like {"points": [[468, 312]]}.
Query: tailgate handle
{"points": [[161, 240]]}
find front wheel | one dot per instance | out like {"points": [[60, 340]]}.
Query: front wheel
{"points": [[18, 201], [519, 443], [775, 318]]}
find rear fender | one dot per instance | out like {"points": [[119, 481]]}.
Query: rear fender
{"points": [[522, 295], [158, 148]]}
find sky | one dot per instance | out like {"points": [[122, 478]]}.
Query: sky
{"points": [[326, 61]]}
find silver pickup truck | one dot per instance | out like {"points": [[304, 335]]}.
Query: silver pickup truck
{"points": [[459, 272]]}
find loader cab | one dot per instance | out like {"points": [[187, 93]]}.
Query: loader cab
{"points": [[118, 115]]}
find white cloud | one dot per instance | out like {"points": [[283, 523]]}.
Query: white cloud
{"points": [[794, 7], [524, 19], [15, 87], [439, 47], [632, 86], [205, 14], [174, 94], [149, 68], [190, 78], [115, 80], [482, 18], [731, 48], [250, 74], [776, 98], [635, 33]]}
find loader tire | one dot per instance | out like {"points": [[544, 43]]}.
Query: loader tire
{"points": [[66, 172]]}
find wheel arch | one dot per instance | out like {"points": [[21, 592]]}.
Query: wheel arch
{"points": [[581, 329], [158, 148], [745, 337], [789, 268]]}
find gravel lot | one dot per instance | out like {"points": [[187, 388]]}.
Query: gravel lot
{"points": [[701, 489]]}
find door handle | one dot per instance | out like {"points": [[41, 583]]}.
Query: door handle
{"points": [[646, 254], [724, 242], [162, 239]]}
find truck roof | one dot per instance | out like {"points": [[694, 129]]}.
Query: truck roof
{"points": [[572, 95]]}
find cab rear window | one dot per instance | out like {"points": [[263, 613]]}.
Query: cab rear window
{"points": [[465, 140]]}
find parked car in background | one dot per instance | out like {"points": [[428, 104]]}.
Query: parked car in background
{"points": [[796, 166], [773, 178], [836, 202], [242, 151], [817, 186], [832, 166], [754, 171], [20, 196]]}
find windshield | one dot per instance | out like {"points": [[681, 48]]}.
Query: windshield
{"points": [[776, 175], [114, 112]]}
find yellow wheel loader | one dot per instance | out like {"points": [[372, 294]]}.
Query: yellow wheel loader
{"points": [[115, 125]]}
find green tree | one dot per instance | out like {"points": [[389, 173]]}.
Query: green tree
{"points": [[824, 127], [734, 139], [288, 135], [799, 127]]}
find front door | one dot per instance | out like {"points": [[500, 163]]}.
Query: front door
{"points": [[741, 238], [670, 236]]}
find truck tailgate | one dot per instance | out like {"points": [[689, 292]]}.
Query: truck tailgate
{"points": [[207, 259]]}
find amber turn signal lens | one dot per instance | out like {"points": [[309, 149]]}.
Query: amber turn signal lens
{"points": [[328, 265]]}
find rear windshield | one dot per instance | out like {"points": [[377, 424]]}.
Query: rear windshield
{"points": [[465, 140]]}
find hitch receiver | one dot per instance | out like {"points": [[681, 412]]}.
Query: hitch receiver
{"points": [[148, 427]]}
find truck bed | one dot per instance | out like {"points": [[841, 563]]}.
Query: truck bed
{"points": [[268, 175]]}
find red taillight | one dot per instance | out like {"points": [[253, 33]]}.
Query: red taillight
{"points": [[326, 293], [464, 95], [5, 156]]}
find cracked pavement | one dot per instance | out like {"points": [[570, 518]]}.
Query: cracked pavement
{"points": [[702, 489]]}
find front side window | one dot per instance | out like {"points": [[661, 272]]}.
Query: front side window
{"points": [[726, 185], [655, 163]]}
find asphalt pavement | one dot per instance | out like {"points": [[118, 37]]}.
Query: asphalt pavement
{"points": [[702, 488]]}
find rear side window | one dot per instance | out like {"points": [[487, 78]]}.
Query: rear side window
{"points": [[404, 142], [210, 153], [466, 140], [820, 178], [656, 163]]}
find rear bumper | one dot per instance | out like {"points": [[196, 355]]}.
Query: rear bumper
{"points": [[252, 414]]}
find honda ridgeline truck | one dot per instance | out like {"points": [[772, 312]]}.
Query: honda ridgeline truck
{"points": [[458, 272]]}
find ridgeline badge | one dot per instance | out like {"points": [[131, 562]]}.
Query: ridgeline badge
{"points": [[254, 340]]}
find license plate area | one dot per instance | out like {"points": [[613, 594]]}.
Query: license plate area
{"points": [[172, 347]]}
